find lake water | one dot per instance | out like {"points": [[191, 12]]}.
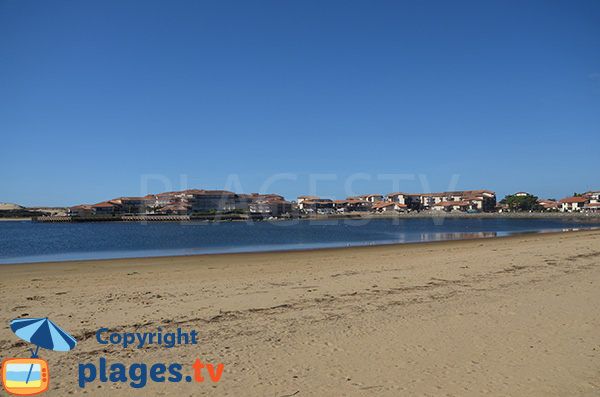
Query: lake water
{"points": [[24, 241]]}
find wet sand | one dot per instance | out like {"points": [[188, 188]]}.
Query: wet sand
{"points": [[505, 316]]}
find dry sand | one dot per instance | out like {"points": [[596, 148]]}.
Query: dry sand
{"points": [[514, 316]]}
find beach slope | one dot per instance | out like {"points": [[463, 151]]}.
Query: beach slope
{"points": [[506, 316]]}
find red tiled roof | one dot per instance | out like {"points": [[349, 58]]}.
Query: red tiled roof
{"points": [[358, 202], [574, 200], [451, 203], [383, 204], [148, 197], [103, 204], [82, 206]]}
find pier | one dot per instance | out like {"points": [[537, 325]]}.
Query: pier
{"points": [[110, 218], [155, 218]]}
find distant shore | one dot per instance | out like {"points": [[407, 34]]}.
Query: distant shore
{"points": [[592, 216]]}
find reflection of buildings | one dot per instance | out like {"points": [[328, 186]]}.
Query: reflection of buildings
{"points": [[455, 236]]}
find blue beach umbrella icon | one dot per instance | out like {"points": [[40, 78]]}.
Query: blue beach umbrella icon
{"points": [[43, 333]]}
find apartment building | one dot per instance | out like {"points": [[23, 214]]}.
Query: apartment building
{"points": [[572, 204], [270, 207], [479, 200]]}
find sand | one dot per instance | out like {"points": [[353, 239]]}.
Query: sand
{"points": [[10, 206], [514, 316]]}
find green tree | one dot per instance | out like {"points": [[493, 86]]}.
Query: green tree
{"points": [[522, 203]]}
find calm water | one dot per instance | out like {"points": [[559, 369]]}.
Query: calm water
{"points": [[22, 242]]}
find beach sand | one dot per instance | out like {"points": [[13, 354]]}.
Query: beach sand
{"points": [[514, 316]]}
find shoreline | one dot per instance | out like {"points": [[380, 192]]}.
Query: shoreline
{"points": [[329, 251], [285, 250], [582, 216]]}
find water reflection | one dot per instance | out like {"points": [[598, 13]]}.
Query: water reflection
{"points": [[425, 237]]}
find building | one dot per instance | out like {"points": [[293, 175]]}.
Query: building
{"points": [[357, 205], [371, 198], [80, 210], [106, 208], [411, 200], [340, 206], [448, 206], [312, 204], [270, 207], [304, 198], [572, 204], [548, 205], [428, 200], [136, 205], [386, 207], [176, 209], [479, 200], [591, 207], [594, 197]]}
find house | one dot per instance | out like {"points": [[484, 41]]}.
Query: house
{"points": [[591, 207], [371, 198], [79, 210], [594, 197], [272, 207], [411, 200], [502, 207], [136, 204], [572, 204], [480, 200], [448, 206], [340, 206], [315, 204], [211, 200], [304, 198], [385, 207], [355, 205], [176, 209], [522, 194], [428, 200], [548, 205], [106, 207], [167, 198]]}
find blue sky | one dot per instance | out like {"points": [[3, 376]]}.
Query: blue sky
{"points": [[98, 96]]}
